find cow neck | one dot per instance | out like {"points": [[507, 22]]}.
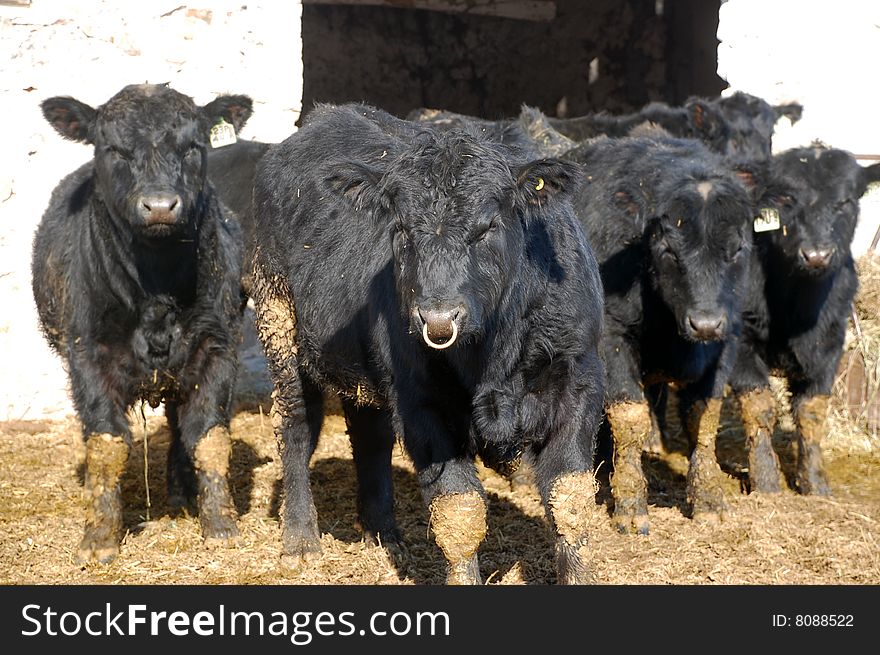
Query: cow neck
{"points": [[501, 348], [795, 295], [134, 267]]}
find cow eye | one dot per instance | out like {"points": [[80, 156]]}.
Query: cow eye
{"points": [[483, 231], [736, 254], [785, 200], [116, 153]]}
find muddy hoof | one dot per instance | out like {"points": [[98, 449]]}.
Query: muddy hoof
{"points": [[97, 546], [708, 508], [631, 517], [764, 473], [302, 545], [220, 531], [573, 563], [386, 537], [764, 484], [811, 479], [815, 484], [465, 572]]}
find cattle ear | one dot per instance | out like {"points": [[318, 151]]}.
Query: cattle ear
{"points": [[793, 111], [235, 110], [543, 180], [355, 181], [750, 174], [71, 118], [704, 119], [870, 174]]}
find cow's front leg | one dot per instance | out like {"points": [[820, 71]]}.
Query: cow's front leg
{"points": [[564, 474], [436, 442], [705, 480], [204, 432], [811, 416], [101, 409]]}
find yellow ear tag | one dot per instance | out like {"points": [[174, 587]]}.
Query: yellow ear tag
{"points": [[222, 134], [767, 220], [540, 184]]}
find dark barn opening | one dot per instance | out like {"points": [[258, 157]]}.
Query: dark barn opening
{"points": [[567, 57]]}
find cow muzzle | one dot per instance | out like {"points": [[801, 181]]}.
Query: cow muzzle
{"points": [[159, 208], [817, 259], [439, 327], [706, 326]]}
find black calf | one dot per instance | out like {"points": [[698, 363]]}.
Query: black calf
{"points": [[444, 289], [136, 278], [801, 288], [672, 232]]}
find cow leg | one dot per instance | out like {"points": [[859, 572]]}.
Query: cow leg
{"points": [[180, 474], [105, 428], [564, 475], [630, 426], [457, 517], [203, 419], [372, 443], [705, 480], [297, 419], [106, 457], [811, 416], [759, 419]]}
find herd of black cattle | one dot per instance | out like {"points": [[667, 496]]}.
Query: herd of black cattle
{"points": [[499, 289]]}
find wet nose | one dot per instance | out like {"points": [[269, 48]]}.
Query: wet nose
{"points": [[817, 257], [159, 208], [440, 326], [706, 326]]}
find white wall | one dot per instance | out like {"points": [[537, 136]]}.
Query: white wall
{"points": [[821, 54], [90, 49]]}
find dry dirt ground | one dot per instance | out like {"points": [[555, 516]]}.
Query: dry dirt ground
{"points": [[784, 539]]}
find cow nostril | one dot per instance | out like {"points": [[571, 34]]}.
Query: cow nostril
{"points": [[707, 327], [173, 205]]}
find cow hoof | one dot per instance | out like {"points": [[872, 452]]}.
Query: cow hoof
{"points": [[97, 546], [464, 572], [629, 524], [764, 474], [221, 532], [573, 563], [297, 561], [631, 517], [302, 545], [813, 485], [764, 484], [708, 508], [387, 537]]}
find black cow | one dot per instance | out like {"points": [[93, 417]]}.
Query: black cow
{"points": [[751, 121], [137, 282], [444, 289], [698, 118], [671, 227], [801, 289], [739, 126]]}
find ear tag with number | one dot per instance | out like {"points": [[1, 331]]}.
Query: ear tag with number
{"points": [[222, 134], [768, 220]]}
